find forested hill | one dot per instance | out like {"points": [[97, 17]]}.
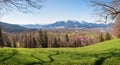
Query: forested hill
{"points": [[11, 27]]}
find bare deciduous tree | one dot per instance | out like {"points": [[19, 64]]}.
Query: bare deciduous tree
{"points": [[116, 27], [107, 9]]}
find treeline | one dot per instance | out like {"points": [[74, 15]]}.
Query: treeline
{"points": [[47, 39]]}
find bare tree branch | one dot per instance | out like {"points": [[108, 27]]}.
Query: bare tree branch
{"points": [[21, 5], [107, 9]]}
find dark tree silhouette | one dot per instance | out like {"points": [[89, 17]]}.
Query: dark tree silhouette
{"points": [[107, 36], [14, 43], [6, 40], [101, 37], [35, 43], [42, 39], [45, 39], [55, 44], [1, 38], [66, 37]]}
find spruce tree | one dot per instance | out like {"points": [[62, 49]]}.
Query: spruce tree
{"points": [[67, 38], [45, 39], [101, 37], [107, 36], [35, 43], [40, 38], [1, 38], [55, 44], [14, 43]]}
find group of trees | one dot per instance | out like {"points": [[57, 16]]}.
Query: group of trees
{"points": [[105, 37], [24, 39], [47, 39], [84, 41]]}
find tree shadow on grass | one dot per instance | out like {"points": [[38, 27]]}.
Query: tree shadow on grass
{"points": [[41, 62], [10, 56], [101, 60]]}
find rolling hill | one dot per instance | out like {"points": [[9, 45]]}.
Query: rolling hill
{"points": [[11, 27], [105, 53]]}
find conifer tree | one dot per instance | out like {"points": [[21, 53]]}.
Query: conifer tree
{"points": [[1, 38], [45, 40], [107, 36], [67, 38], [55, 44], [101, 37], [35, 43]]}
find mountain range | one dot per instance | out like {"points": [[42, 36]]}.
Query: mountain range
{"points": [[70, 24]]}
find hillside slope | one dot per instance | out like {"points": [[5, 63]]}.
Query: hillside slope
{"points": [[11, 27], [105, 53]]}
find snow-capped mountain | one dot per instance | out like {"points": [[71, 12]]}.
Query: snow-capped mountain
{"points": [[69, 24]]}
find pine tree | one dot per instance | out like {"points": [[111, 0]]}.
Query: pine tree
{"points": [[35, 43], [67, 38], [40, 37], [55, 44], [1, 38], [26, 42], [101, 37], [8, 42], [107, 36], [14, 43], [75, 44], [45, 39]]}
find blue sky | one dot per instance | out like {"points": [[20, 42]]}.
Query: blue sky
{"points": [[52, 11]]}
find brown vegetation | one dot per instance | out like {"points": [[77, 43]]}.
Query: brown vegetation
{"points": [[48, 39]]}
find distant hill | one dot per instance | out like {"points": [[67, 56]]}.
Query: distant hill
{"points": [[69, 24], [11, 27]]}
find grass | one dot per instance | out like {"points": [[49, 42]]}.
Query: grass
{"points": [[105, 53]]}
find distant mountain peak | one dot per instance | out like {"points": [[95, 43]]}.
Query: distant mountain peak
{"points": [[70, 24]]}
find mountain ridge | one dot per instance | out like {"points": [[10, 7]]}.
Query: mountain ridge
{"points": [[11, 27], [69, 24]]}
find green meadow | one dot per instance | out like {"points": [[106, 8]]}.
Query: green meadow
{"points": [[105, 53]]}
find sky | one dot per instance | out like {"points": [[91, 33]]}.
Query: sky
{"points": [[52, 11]]}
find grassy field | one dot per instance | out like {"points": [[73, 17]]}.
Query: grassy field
{"points": [[106, 53]]}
